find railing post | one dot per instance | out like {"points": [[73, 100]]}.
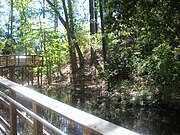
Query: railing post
{"points": [[13, 113], [13, 116], [37, 126], [1, 72], [86, 131], [22, 76], [38, 76]]}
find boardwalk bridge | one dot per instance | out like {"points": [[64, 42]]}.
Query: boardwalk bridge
{"points": [[43, 115], [20, 68]]}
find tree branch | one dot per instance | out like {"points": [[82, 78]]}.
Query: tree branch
{"points": [[57, 12]]}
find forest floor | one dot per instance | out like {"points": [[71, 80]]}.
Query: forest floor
{"points": [[62, 79]]}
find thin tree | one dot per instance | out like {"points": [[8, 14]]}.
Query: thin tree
{"points": [[104, 48], [96, 15], [11, 36], [92, 29], [69, 32], [55, 17], [73, 57]]}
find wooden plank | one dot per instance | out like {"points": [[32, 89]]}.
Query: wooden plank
{"points": [[22, 75], [37, 126], [3, 130], [5, 124], [13, 119], [25, 118], [87, 131], [34, 115], [29, 121], [12, 73], [89, 121], [5, 102]]}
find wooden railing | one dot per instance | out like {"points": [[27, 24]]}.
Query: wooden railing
{"points": [[87, 124], [21, 60]]}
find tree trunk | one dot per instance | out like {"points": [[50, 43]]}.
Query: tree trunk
{"points": [[91, 11], [55, 17], [72, 34], [73, 58], [104, 49], [73, 44], [72, 37], [92, 29], [11, 43], [96, 17], [57, 12]]}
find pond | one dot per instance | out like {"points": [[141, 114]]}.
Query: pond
{"points": [[147, 120]]}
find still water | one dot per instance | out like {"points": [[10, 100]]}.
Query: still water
{"points": [[150, 121], [147, 121]]}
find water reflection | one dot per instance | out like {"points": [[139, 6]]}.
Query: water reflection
{"points": [[146, 121], [150, 121]]}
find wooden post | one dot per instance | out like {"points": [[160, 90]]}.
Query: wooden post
{"points": [[32, 77], [38, 76], [41, 77], [13, 119], [18, 60], [13, 116], [1, 74], [28, 74], [86, 131], [12, 73], [37, 126], [22, 77], [1, 71]]}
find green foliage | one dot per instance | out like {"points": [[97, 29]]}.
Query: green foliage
{"points": [[6, 47], [145, 44], [143, 49], [130, 93], [2, 46], [162, 65]]}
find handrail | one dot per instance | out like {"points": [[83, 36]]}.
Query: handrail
{"points": [[21, 60], [33, 114], [89, 123]]}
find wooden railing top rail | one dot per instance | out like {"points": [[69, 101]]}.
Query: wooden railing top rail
{"points": [[20, 60], [91, 122], [32, 114]]}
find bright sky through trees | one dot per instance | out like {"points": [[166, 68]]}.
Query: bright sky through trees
{"points": [[82, 13]]}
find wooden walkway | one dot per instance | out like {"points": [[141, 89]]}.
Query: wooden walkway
{"points": [[21, 68], [87, 124], [20, 60]]}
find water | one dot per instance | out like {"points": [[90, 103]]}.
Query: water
{"points": [[150, 121], [146, 121]]}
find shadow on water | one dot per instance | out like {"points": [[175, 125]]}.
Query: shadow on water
{"points": [[150, 121]]}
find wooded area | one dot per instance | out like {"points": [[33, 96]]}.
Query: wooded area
{"points": [[126, 52]]}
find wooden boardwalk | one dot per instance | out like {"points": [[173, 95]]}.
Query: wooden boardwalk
{"points": [[86, 123], [20, 60], [21, 68]]}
